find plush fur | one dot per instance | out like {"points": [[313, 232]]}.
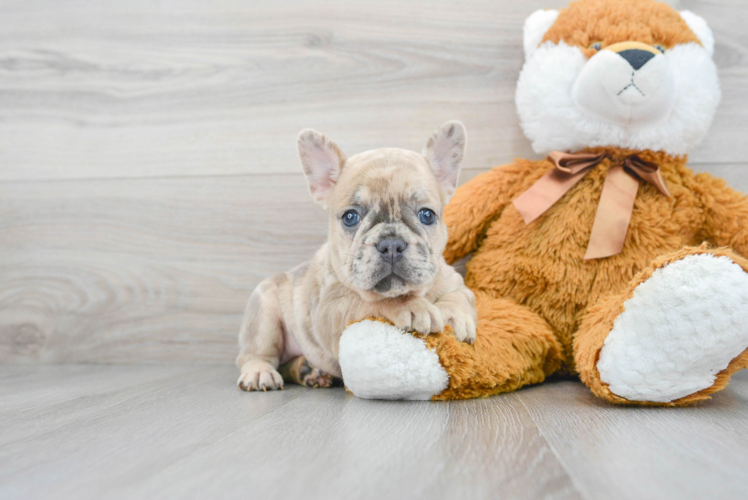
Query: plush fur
{"points": [[548, 107], [661, 323], [679, 318], [611, 21], [403, 367]]}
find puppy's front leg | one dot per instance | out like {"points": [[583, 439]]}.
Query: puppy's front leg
{"points": [[417, 314], [458, 310], [261, 338], [457, 307]]}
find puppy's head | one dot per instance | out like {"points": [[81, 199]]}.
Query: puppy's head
{"points": [[387, 234]]}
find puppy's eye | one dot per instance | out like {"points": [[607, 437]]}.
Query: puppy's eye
{"points": [[427, 217], [351, 218], [596, 45], [659, 47]]}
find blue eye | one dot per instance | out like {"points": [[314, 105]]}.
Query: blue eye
{"points": [[427, 217], [351, 218]]}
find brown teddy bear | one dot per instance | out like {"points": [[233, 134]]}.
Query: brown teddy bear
{"points": [[609, 259]]}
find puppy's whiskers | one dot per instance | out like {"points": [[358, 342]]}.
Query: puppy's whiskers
{"points": [[347, 278]]}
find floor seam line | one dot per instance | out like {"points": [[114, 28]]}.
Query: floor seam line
{"points": [[579, 489]]}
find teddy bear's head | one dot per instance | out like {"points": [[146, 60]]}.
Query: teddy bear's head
{"points": [[634, 74]]}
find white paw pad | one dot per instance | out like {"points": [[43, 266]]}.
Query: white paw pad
{"points": [[379, 361], [679, 330]]}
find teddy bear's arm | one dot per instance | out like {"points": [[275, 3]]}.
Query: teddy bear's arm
{"points": [[475, 204], [726, 213]]}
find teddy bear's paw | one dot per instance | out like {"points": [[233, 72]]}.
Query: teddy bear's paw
{"points": [[380, 361], [680, 329]]}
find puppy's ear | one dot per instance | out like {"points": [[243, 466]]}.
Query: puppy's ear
{"points": [[444, 152], [322, 161]]}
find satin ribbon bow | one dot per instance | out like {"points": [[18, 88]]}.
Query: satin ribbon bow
{"points": [[616, 201]]}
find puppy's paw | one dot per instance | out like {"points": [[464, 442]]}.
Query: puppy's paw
{"points": [[418, 315], [259, 377], [461, 321], [299, 370]]}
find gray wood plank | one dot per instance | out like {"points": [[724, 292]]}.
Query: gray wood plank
{"points": [[192, 434], [187, 432], [478, 449], [29, 387], [138, 271], [64, 394], [124, 89], [619, 452]]}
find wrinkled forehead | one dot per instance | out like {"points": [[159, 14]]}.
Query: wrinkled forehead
{"points": [[585, 22], [387, 178]]}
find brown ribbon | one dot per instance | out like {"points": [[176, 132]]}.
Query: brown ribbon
{"points": [[616, 201]]}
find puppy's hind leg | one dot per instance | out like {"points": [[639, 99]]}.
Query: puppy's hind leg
{"points": [[261, 338], [299, 371]]}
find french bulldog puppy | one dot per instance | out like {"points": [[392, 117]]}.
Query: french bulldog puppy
{"points": [[383, 258]]}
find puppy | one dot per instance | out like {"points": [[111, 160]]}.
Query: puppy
{"points": [[383, 258]]}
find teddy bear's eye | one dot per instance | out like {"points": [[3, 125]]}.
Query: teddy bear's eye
{"points": [[596, 46], [659, 47]]}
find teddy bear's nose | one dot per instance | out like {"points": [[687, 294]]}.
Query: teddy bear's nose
{"points": [[636, 57]]}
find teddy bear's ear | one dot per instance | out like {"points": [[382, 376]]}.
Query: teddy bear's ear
{"points": [[444, 152], [535, 28], [700, 28], [322, 161]]}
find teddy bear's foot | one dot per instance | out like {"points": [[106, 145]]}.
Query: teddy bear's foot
{"points": [[514, 347], [682, 332], [380, 361]]}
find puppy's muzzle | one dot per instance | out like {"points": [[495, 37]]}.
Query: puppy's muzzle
{"points": [[391, 249]]}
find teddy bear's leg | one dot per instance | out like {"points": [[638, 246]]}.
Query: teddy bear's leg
{"points": [[514, 347], [674, 336]]}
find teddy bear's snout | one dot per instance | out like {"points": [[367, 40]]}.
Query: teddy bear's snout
{"points": [[627, 83], [636, 57]]}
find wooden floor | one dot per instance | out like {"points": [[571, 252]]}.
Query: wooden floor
{"points": [[87, 431]]}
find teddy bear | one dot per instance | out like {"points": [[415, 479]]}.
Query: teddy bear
{"points": [[609, 259]]}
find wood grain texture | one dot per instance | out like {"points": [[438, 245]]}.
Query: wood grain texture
{"points": [[127, 271], [634, 452], [141, 89], [87, 431], [148, 173]]}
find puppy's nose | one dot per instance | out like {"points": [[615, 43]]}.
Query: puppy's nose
{"points": [[391, 249], [636, 57]]}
